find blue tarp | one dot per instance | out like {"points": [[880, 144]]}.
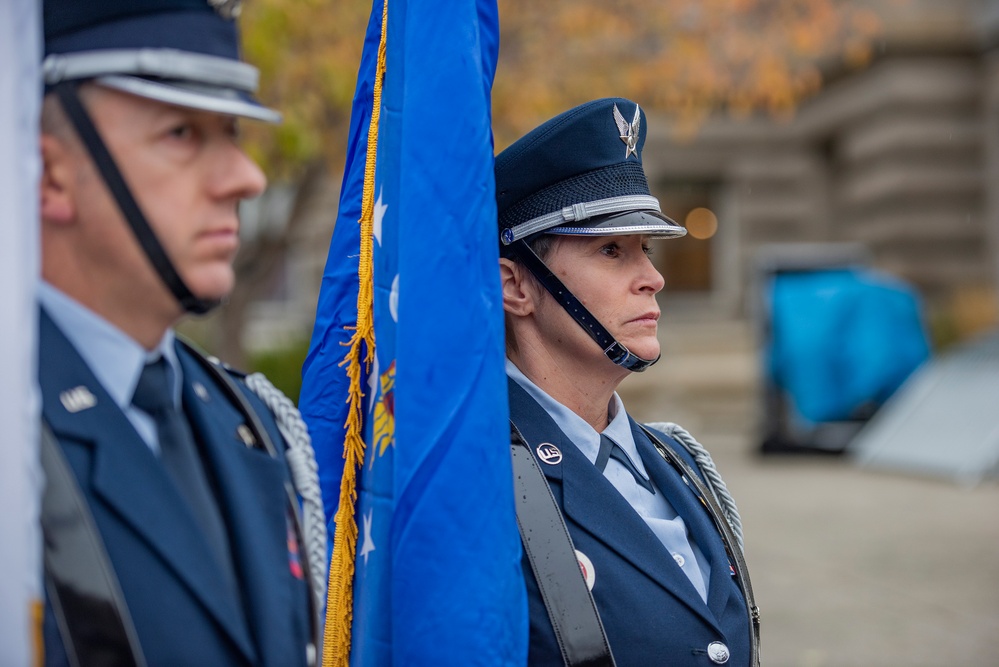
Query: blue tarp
{"points": [[843, 340]]}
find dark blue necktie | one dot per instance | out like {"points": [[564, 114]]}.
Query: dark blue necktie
{"points": [[179, 456], [610, 450]]}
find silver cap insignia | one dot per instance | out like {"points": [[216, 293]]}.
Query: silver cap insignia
{"points": [[629, 131]]}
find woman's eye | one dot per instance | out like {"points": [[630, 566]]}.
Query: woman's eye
{"points": [[611, 249], [183, 132], [647, 249]]}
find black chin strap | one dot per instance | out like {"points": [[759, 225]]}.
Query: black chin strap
{"points": [[614, 350], [68, 95]]}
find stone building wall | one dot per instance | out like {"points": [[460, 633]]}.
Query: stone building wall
{"points": [[899, 157]]}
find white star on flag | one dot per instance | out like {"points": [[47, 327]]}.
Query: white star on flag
{"points": [[380, 209], [394, 299], [369, 544]]}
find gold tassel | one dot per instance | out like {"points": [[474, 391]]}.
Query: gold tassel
{"points": [[340, 594]]}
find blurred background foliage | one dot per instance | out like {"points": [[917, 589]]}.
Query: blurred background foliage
{"points": [[282, 366], [685, 58], [682, 58]]}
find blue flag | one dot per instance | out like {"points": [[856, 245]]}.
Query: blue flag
{"points": [[436, 564]]}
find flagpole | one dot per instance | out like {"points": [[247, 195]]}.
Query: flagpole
{"points": [[20, 476]]}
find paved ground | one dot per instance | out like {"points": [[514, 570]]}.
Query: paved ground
{"points": [[852, 567]]}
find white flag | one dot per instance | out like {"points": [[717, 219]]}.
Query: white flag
{"points": [[20, 473]]}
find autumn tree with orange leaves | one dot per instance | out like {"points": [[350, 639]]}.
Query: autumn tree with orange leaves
{"points": [[685, 58]]}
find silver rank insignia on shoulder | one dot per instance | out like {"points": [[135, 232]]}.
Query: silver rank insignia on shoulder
{"points": [[629, 131], [227, 9], [77, 399]]}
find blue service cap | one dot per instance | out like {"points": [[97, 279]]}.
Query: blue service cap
{"points": [[181, 52], [580, 173]]}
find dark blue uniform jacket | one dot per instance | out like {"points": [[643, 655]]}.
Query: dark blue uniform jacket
{"points": [[172, 586], [651, 612]]}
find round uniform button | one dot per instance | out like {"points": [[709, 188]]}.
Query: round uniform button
{"points": [[718, 653], [679, 559]]}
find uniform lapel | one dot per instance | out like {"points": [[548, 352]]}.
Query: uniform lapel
{"points": [[589, 500], [696, 516], [252, 499], [126, 476]]}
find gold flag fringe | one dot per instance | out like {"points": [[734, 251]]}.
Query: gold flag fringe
{"points": [[340, 594]]}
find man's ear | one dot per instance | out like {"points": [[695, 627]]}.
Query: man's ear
{"points": [[56, 202], [518, 295]]}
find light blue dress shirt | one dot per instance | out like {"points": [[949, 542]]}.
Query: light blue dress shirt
{"points": [[114, 358], [654, 509]]}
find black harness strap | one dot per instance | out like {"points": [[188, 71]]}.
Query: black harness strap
{"points": [[86, 599], [728, 537], [549, 549], [91, 138]]}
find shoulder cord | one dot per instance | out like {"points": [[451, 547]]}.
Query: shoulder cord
{"points": [[736, 556], [307, 546], [305, 477], [707, 466]]}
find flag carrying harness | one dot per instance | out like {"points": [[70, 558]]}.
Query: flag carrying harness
{"points": [[88, 606], [549, 549]]}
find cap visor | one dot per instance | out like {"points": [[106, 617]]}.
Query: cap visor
{"points": [[647, 223], [226, 101]]}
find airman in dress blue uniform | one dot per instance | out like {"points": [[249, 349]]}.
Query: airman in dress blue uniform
{"points": [[175, 474], [576, 217]]}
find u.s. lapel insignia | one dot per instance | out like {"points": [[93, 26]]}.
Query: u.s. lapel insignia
{"points": [[629, 131], [549, 453], [246, 435], [586, 567], [77, 399]]}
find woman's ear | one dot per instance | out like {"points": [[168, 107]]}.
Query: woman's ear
{"points": [[518, 297], [56, 203]]}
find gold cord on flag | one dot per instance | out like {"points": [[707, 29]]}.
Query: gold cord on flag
{"points": [[340, 593]]}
